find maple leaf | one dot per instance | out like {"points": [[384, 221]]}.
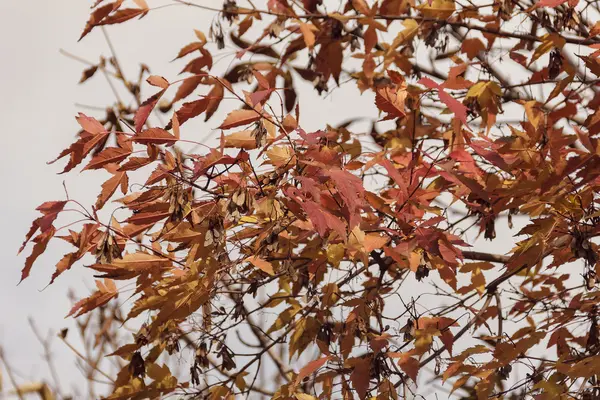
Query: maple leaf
{"points": [[261, 264], [322, 219], [453, 105], [391, 101]]}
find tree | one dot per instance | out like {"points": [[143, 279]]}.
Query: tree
{"points": [[355, 248]]}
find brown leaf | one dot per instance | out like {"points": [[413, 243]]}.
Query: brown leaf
{"points": [[110, 186], [123, 15], [50, 209], [190, 48], [98, 15], [88, 73], [329, 60], [360, 377]]}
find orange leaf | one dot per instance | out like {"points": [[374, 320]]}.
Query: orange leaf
{"points": [[310, 368], [261, 264], [159, 81], [240, 117], [391, 101], [106, 291]]}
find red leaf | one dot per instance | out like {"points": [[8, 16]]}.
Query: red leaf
{"points": [[191, 110], [108, 156], [41, 241], [550, 3], [310, 368], [145, 109], [90, 124], [459, 109], [50, 209], [395, 175], [187, 87], [260, 96], [322, 219], [106, 292], [154, 136], [190, 48]]}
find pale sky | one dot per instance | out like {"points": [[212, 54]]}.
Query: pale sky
{"points": [[38, 103]]}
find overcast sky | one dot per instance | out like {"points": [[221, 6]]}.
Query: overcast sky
{"points": [[38, 105]]}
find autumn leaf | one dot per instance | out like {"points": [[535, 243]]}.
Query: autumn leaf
{"points": [[154, 136], [261, 264], [391, 101], [459, 110], [310, 368], [105, 293], [108, 156], [239, 118], [110, 186], [146, 108]]}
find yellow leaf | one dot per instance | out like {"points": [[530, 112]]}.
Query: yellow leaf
{"points": [[281, 156], [441, 9], [549, 41], [304, 396], [335, 253], [241, 140], [240, 382], [331, 294], [411, 27]]}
